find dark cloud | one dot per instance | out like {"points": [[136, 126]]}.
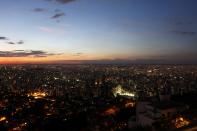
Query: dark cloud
{"points": [[179, 32], [39, 10], [11, 43], [40, 56], [65, 1], [25, 53], [58, 12], [14, 43], [62, 1], [3, 38], [58, 15], [20, 42]]}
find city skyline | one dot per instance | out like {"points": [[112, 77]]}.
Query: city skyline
{"points": [[81, 31]]}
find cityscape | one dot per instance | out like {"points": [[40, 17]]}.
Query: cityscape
{"points": [[98, 97], [98, 65]]}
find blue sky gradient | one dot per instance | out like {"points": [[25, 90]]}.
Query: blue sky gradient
{"points": [[98, 29]]}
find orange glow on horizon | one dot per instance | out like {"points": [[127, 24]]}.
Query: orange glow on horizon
{"points": [[56, 59]]}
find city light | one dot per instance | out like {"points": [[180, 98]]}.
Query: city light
{"points": [[181, 122], [129, 104], [38, 95], [111, 111], [19, 127], [120, 91], [105, 101], [3, 118]]}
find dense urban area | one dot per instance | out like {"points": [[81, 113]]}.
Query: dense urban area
{"points": [[98, 97]]}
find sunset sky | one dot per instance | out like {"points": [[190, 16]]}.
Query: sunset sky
{"points": [[131, 30]]}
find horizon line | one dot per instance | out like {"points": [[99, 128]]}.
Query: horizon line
{"points": [[107, 61]]}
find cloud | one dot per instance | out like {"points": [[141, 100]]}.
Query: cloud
{"points": [[78, 54], [25, 53], [11, 43], [39, 10], [14, 43], [65, 1], [3, 38], [58, 12], [58, 15], [62, 1], [179, 32], [20, 42]]}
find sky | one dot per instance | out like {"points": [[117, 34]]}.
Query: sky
{"points": [[101, 30]]}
